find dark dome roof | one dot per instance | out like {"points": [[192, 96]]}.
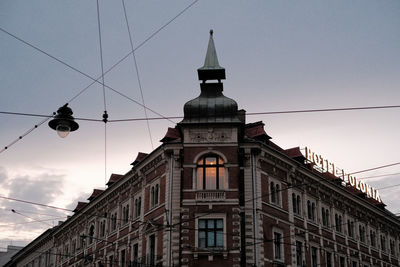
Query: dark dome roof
{"points": [[211, 106]]}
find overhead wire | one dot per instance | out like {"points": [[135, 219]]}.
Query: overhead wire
{"points": [[137, 73], [97, 79], [26, 216], [34, 203]]}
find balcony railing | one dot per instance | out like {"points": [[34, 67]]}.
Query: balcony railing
{"points": [[216, 195]]}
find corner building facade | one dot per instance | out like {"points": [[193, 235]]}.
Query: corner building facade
{"points": [[219, 192]]}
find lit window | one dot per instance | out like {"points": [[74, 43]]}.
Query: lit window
{"points": [[211, 233], [211, 173]]}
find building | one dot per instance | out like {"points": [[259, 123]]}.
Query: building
{"points": [[218, 191]]}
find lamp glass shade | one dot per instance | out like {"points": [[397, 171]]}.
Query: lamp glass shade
{"points": [[63, 130]]}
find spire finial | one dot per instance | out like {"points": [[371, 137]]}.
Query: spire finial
{"points": [[211, 69]]}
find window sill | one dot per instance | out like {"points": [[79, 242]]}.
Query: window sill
{"points": [[210, 252]]}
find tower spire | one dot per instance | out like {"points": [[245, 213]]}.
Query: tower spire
{"points": [[211, 69]]}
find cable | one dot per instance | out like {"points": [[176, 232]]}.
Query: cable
{"points": [[376, 168], [35, 203], [387, 187], [137, 73], [378, 176], [23, 135], [16, 212], [180, 117]]}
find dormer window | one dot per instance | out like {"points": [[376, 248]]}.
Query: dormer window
{"points": [[211, 173]]}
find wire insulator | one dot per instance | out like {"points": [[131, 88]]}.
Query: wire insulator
{"points": [[105, 117]]}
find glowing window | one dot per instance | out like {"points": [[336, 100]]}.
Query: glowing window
{"points": [[211, 173]]}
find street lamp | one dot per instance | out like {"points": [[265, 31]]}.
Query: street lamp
{"points": [[64, 122]]}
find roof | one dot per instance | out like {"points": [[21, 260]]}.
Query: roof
{"points": [[171, 135], [113, 178], [79, 206], [211, 69], [140, 156], [256, 130], [95, 193]]}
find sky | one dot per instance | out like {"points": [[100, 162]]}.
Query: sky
{"points": [[278, 55]]}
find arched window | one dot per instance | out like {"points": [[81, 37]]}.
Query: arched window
{"points": [[211, 173], [278, 194], [313, 211]]}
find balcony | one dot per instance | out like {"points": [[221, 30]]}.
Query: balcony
{"points": [[215, 195]]}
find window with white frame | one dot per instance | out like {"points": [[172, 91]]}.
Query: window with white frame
{"points": [[275, 192], [296, 203], [211, 233], [211, 173]]}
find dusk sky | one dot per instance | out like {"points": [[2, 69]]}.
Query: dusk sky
{"points": [[278, 56]]}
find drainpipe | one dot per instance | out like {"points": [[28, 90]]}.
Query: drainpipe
{"points": [[255, 223], [169, 226]]}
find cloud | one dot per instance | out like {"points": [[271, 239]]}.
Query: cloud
{"points": [[28, 220]]}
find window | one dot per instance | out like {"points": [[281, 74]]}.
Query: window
{"points": [[111, 261], [338, 223], [314, 257], [91, 234], [361, 232], [299, 254], [113, 221], [211, 233], [211, 174], [391, 247], [277, 246], [342, 261], [328, 259], [154, 195], [354, 263], [372, 237], [325, 217], [350, 228], [102, 228], [125, 214], [135, 253], [383, 242], [73, 246], [296, 203], [311, 210], [152, 250], [138, 206], [275, 192], [122, 258]]}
